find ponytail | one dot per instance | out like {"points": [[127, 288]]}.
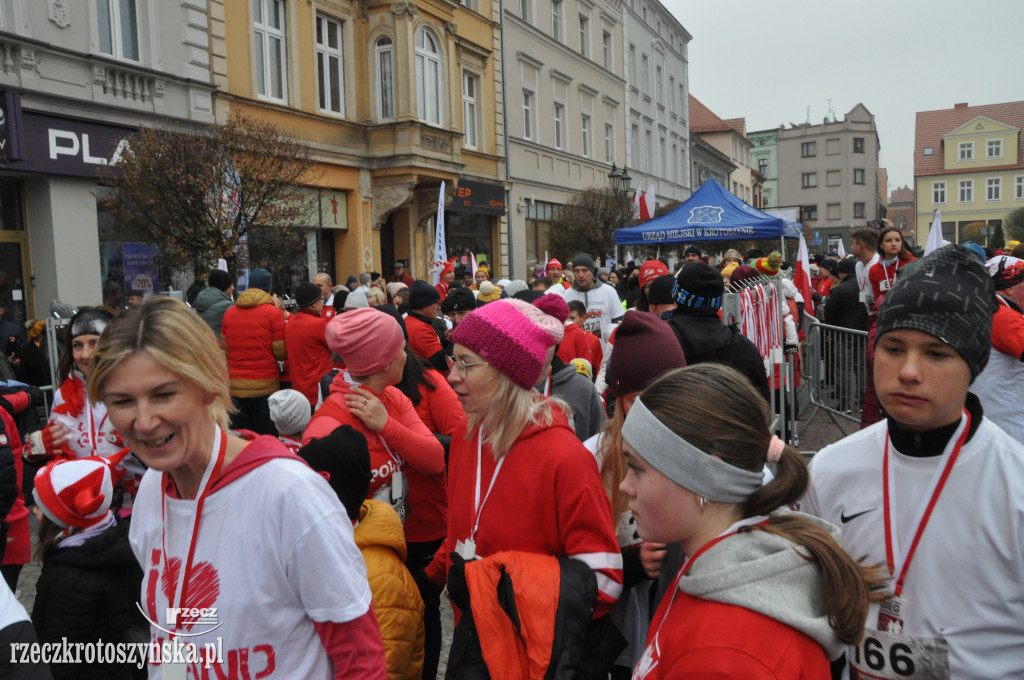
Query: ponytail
{"points": [[789, 485]]}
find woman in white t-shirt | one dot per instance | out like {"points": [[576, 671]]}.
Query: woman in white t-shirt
{"points": [[247, 555]]}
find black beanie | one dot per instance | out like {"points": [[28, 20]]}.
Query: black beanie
{"points": [[459, 300], [219, 279], [307, 294], [699, 286], [339, 299], [344, 456], [660, 292], [949, 295], [422, 294]]}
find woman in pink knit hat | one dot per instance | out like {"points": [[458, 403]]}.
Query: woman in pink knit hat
{"points": [[372, 345], [519, 479]]}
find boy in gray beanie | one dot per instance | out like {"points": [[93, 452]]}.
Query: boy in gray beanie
{"points": [[936, 463]]}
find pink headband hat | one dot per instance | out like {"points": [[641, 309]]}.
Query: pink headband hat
{"points": [[512, 336], [366, 339]]}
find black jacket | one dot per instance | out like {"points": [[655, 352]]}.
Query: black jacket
{"points": [[844, 308], [87, 593], [704, 338]]}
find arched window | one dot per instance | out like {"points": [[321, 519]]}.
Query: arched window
{"points": [[428, 78], [385, 78]]}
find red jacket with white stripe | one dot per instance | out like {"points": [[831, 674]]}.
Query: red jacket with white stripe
{"points": [[548, 499]]}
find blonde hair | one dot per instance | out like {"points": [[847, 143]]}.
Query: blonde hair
{"points": [[177, 339], [513, 410], [613, 460], [375, 295]]}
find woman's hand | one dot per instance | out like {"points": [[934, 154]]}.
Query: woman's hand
{"points": [[55, 435], [651, 557], [368, 408]]}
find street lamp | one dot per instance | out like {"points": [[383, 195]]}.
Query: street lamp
{"points": [[619, 180]]}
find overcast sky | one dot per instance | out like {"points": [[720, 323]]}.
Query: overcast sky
{"points": [[768, 60]]}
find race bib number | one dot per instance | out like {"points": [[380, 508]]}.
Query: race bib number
{"points": [[395, 493], [888, 656], [174, 671], [884, 285], [863, 297]]}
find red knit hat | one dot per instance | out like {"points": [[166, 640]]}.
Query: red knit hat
{"points": [[651, 270], [366, 339], [553, 305], [553, 264], [77, 493], [512, 336], [645, 347]]}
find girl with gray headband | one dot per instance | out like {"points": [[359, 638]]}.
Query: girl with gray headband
{"points": [[764, 592]]}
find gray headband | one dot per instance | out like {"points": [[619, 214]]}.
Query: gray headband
{"points": [[685, 464]]}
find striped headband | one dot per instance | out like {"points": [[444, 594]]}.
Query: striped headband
{"points": [[684, 463]]}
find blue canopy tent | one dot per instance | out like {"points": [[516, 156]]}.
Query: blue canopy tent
{"points": [[712, 213]]}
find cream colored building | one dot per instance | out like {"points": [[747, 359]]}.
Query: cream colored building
{"points": [[394, 99], [564, 96], [968, 165]]}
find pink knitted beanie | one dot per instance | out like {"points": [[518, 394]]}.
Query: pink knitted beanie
{"points": [[366, 339], [512, 336], [553, 305]]}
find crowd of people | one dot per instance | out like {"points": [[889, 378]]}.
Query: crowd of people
{"points": [[580, 464]]}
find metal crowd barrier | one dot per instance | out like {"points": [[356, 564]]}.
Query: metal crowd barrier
{"points": [[835, 367]]}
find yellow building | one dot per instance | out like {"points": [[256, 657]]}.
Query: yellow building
{"points": [[393, 99], [969, 165]]}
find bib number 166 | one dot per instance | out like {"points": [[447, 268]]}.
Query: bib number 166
{"points": [[884, 656]]}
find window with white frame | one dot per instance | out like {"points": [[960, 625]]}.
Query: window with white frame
{"points": [[858, 210], [556, 19], [632, 64], [966, 151], [671, 94], [993, 189], [649, 150], [662, 157], [938, 193], [858, 145], [606, 49], [269, 36], [858, 176], [609, 143], [524, 9], [967, 191], [586, 132], [994, 148], [428, 78], [1018, 192], [385, 49], [528, 113], [634, 144], [659, 88], [470, 83], [330, 65], [118, 23], [675, 163], [559, 125], [584, 35], [468, 4]]}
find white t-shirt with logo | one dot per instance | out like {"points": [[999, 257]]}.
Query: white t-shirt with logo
{"points": [[274, 553]]}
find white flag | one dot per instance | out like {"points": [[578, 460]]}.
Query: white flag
{"points": [[472, 265], [647, 209], [841, 250], [636, 202], [440, 253], [935, 240]]}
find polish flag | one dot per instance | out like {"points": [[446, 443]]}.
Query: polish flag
{"points": [[802, 276], [636, 203], [647, 206]]}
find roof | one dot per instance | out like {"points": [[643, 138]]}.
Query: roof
{"points": [[931, 126], [902, 195], [703, 119], [737, 124]]}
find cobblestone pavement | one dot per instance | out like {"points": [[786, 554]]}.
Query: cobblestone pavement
{"points": [[816, 430]]}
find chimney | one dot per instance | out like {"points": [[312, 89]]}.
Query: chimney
{"points": [[961, 105]]}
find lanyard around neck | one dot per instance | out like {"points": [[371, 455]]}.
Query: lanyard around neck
{"points": [[213, 468], [478, 506], [898, 560]]}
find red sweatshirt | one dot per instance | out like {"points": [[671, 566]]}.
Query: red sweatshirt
{"points": [[548, 498], [575, 346], [309, 357], [404, 434]]}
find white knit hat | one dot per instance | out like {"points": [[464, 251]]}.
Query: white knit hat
{"points": [[289, 409]]}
